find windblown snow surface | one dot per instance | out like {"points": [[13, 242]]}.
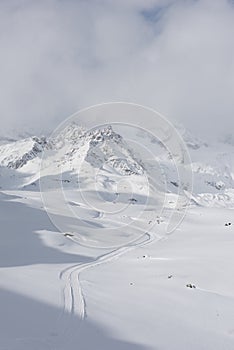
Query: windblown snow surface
{"points": [[97, 274]]}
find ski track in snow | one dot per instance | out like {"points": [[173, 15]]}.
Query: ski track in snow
{"points": [[74, 303]]}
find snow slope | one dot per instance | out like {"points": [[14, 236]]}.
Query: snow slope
{"points": [[101, 271]]}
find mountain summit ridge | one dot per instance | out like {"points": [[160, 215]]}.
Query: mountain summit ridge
{"points": [[103, 150]]}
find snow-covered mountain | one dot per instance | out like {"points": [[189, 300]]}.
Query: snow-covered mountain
{"points": [[71, 281], [66, 153], [75, 150], [16, 154], [100, 148]]}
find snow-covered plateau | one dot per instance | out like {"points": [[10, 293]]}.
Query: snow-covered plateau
{"points": [[86, 259]]}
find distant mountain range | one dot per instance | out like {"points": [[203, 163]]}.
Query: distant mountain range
{"points": [[74, 150]]}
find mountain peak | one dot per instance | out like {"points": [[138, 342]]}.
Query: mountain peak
{"points": [[18, 153], [101, 148]]}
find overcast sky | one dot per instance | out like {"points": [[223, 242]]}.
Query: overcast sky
{"points": [[57, 56]]}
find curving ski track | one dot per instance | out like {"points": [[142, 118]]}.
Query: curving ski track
{"points": [[74, 305]]}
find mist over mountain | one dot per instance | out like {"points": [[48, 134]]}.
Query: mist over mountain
{"points": [[116, 174], [174, 56]]}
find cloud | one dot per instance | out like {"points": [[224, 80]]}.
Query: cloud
{"points": [[59, 56]]}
